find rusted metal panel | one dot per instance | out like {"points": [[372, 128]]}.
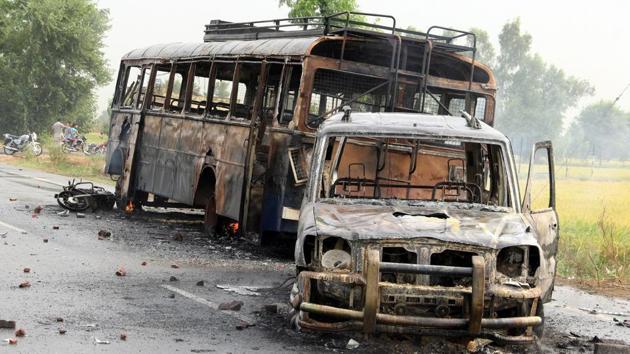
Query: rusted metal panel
{"points": [[263, 47]]}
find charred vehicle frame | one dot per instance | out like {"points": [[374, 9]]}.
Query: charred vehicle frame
{"points": [[228, 125], [448, 251]]}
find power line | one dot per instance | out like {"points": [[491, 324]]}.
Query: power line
{"points": [[621, 94]]}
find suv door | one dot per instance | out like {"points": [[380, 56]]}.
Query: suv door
{"points": [[539, 208]]}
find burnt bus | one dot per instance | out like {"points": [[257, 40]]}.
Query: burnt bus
{"points": [[228, 125]]}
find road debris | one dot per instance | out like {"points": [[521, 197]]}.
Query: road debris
{"points": [[45, 240], [3, 234], [25, 284], [81, 216], [7, 324], [201, 283], [38, 209], [98, 217], [594, 311], [121, 272], [231, 306], [11, 341], [173, 278], [244, 324], [178, 237], [64, 213], [81, 196], [352, 344], [103, 234], [242, 289], [55, 227], [477, 345], [20, 332], [171, 296], [98, 341], [13, 199], [62, 331], [610, 348], [123, 336], [59, 319], [624, 323], [143, 263], [26, 270], [174, 266]]}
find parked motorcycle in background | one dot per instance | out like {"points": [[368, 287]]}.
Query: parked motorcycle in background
{"points": [[75, 145], [14, 143], [93, 149]]}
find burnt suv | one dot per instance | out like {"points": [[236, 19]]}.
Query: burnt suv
{"points": [[415, 224]]}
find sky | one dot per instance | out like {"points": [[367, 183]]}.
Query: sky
{"points": [[587, 39]]}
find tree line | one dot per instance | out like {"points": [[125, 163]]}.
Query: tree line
{"points": [[51, 61]]}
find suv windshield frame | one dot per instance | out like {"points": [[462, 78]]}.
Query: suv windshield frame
{"points": [[319, 158]]}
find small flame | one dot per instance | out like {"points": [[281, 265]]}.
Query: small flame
{"points": [[129, 208], [233, 228]]}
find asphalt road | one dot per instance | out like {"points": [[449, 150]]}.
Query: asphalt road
{"points": [[72, 278]]}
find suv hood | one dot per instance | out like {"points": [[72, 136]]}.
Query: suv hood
{"points": [[450, 222]]}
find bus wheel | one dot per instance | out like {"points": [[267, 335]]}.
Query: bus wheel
{"points": [[210, 218]]}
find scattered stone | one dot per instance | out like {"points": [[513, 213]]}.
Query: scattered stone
{"points": [[123, 336], [352, 344], [231, 306], [64, 213], [55, 227], [178, 237], [20, 332], [25, 284], [243, 324], [104, 233], [13, 199], [4, 234], [62, 331], [174, 266], [143, 263], [11, 341], [171, 296], [27, 207], [38, 209], [59, 319], [596, 340], [81, 216], [121, 272], [45, 240], [609, 348], [178, 340], [201, 283], [173, 278], [7, 324], [624, 323], [27, 270]]}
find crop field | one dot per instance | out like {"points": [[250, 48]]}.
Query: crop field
{"points": [[594, 210]]}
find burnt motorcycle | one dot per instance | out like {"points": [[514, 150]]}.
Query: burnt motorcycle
{"points": [[15, 143]]}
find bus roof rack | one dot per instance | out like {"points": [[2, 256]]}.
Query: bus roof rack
{"points": [[344, 23]]}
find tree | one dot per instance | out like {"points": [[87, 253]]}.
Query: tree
{"points": [[485, 50], [602, 130], [306, 8], [532, 96], [50, 62]]}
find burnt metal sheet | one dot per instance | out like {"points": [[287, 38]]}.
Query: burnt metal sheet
{"points": [[261, 47]]}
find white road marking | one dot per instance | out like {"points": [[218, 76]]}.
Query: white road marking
{"points": [[47, 181], [208, 303], [14, 228]]}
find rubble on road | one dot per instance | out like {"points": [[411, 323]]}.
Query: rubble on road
{"points": [[231, 306], [123, 336], [45, 240], [352, 344], [59, 319], [98, 341], [201, 283], [55, 227], [20, 332], [80, 216], [38, 209], [121, 272], [62, 331], [12, 199], [7, 324], [174, 266], [477, 345], [242, 289], [173, 278], [25, 284], [26, 270], [11, 341], [244, 324], [103, 234], [64, 213], [143, 263], [624, 323]]}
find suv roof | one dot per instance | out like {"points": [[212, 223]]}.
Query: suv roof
{"points": [[409, 124]]}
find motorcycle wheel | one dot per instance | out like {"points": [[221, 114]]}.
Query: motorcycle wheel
{"points": [[65, 148], [8, 151], [67, 200], [37, 149], [86, 149]]}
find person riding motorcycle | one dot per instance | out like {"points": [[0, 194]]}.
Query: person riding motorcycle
{"points": [[72, 135]]}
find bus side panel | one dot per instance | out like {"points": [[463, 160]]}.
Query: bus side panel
{"points": [[191, 152], [148, 153], [275, 183], [167, 159], [114, 155], [230, 172]]}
